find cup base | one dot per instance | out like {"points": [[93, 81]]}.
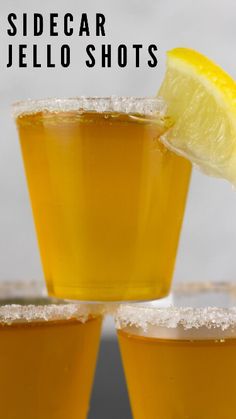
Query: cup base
{"points": [[92, 294]]}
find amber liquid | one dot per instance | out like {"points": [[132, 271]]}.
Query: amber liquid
{"points": [[180, 379], [47, 369], [108, 202]]}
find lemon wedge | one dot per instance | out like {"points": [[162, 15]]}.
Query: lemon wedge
{"points": [[201, 99]]}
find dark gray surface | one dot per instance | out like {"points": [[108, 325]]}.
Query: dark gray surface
{"points": [[109, 397]]}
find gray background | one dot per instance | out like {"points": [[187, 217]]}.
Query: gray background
{"points": [[207, 247]]}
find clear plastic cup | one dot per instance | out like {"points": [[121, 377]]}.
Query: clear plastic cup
{"points": [[180, 358], [48, 351], [108, 198]]}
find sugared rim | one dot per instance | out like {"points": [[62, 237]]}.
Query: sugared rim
{"points": [[28, 302], [147, 316], [149, 106]]}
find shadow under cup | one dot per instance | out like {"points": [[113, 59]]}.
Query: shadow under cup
{"points": [[48, 351], [108, 198], [180, 359]]}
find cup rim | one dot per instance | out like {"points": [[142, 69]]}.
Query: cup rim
{"points": [[27, 301], [168, 315], [149, 106]]}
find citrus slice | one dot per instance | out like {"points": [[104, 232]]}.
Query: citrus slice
{"points": [[201, 99]]}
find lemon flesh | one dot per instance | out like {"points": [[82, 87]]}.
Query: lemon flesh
{"points": [[201, 100]]}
